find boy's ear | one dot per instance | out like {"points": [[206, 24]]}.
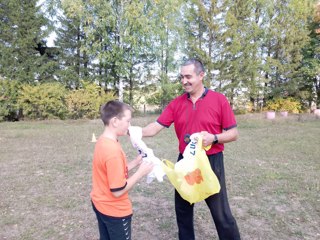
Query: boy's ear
{"points": [[113, 121]]}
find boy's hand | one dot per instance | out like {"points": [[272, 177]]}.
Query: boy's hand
{"points": [[145, 168], [138, 160]]}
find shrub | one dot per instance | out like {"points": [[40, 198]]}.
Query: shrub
{"points": [[43, 101], [284, 104], [9, 109], [86, 102]]}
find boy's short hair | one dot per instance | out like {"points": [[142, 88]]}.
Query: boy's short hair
{"points": [[113, 108]]}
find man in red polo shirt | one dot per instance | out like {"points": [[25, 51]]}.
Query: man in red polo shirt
{"points": [[208, 112]]}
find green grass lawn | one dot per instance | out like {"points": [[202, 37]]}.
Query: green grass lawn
{"points": [[272, 176]]}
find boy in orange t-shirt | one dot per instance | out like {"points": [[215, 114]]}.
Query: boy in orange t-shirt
{"points": [[110, 180]]}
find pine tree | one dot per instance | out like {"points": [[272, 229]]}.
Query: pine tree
{"points": [[70, 39], [202, 24], [309, 79], [285, 38], [21, 36]]}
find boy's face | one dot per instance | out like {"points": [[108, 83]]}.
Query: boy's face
{"points": [[124, 123]]}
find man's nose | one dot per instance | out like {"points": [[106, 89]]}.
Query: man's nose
{"points": [[183, 79]]}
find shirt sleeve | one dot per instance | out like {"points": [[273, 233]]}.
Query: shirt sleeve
{"points": [[116, 170], [228, 118], [166, 118]]}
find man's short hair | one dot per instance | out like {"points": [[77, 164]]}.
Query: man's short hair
{"points": [[111, 109], [197, 65]]}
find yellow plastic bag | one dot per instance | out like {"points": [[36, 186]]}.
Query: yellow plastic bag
{"points": [[192, 176]]}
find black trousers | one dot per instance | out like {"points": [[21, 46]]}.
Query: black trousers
{"points": [[218, 204], [111, 228]]}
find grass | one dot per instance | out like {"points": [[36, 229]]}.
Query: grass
{"points": [[272, 174]]}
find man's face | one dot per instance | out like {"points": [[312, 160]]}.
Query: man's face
{"points": [[190, 80]]}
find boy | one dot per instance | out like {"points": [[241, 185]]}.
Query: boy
{"points": [[110, 180]]}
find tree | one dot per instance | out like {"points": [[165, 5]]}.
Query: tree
{"points": [[202, 24], [238, 62], [286, 36], [167, 34], [21, 35], [309, 79], [73, 63]]}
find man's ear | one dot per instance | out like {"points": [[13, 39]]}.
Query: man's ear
{"points": [[202, 74]]}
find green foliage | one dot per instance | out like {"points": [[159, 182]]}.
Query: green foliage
{"points": [[86, 102], [285, 37], [50, 100], [164, 93], [251, 45], [8, 99], [22, 30], [72, 61], [284, 104], [43, 101]]}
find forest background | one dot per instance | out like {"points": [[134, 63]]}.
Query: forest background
{"points": [[262, 54]]}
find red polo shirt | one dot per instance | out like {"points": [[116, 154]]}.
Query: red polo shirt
{"points": [[211, 112]]}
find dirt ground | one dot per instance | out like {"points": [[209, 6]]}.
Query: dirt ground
{"points": [[272, 175]]}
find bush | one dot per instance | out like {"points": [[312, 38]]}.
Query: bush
{"points": [[43, 101], [9, 109], [86, 102], [284, 104]]}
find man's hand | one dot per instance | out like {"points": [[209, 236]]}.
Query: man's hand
{"points": [[207, 138]]}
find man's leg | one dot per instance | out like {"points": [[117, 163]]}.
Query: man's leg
{"points": [[184, 214], [219, 206]]}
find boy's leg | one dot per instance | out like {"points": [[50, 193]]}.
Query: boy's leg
{"points": [[219, 206], [113, 228], [103, 231], [119, 229]]}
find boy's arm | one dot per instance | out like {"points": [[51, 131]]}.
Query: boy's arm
{"points": [[144, 169], [132, 164]]}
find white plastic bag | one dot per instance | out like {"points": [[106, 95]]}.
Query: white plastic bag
{"points": [[147, 154]]}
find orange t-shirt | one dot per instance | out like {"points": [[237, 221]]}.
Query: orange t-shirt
{"points": [[110, 173]]}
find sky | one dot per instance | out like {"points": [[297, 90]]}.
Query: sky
{"points": [[53, 35], [50, 39]]}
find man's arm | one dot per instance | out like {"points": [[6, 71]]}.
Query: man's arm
{"points": [[152, 129], [224, 137], [228, 135]]}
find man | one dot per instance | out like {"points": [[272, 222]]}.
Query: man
{"points": [[208, 112], [110, 179]]}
